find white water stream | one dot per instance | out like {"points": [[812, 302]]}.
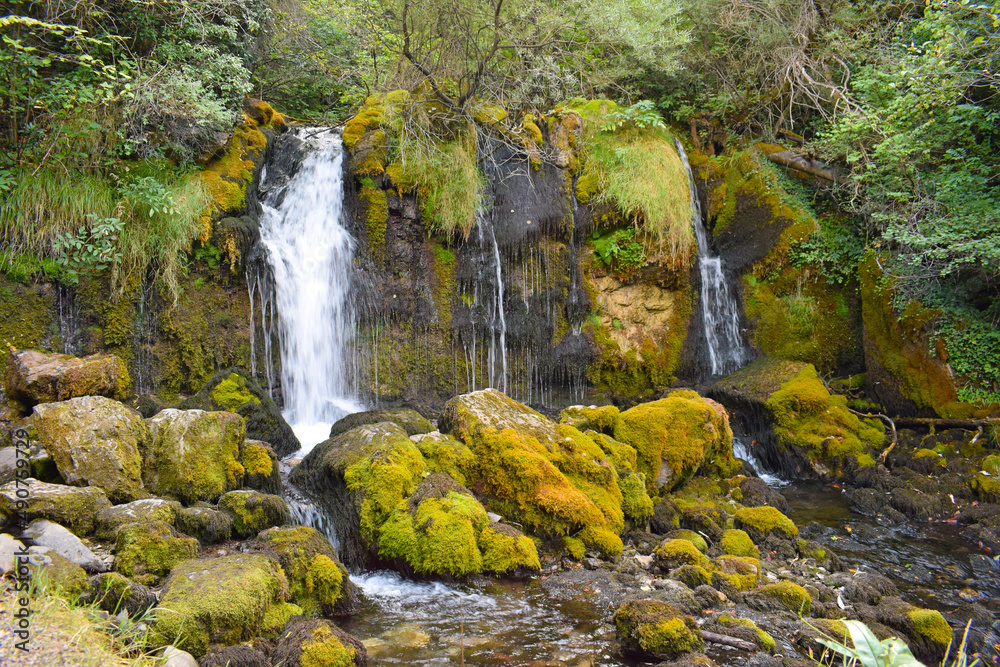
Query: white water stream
{"points": [[311, 255], [720, 312]]}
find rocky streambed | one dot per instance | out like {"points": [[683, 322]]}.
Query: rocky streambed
{"points": [[498, 536]]}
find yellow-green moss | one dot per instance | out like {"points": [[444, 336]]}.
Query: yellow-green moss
{"points": [[737, 543], [694, 538], [682, 431], [231, 393], [376, 218], [674, 553], [765, 520], [257, 459], [504, 551], [144, 551], [368, 117], [636, 503], [653, 627], [370, 154], [602, 419], [227, 178], [692, 576], [276, 617], [448, 455], [931, 624], [323, 649], [807, 416], [791, 596], [574, 547], [739, 571], [764, 641], [252, 511], [386, 479], [991, 465], [622, 456]]}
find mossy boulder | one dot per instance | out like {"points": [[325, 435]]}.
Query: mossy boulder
{"points": [[676, 436], [110, 519], [51, 571], [149, 550], [114, 593], [412, 421], [654, 629], [253, 511], [760, 522], [317, 580], [602, 419], [548, 477], [194, 455], [308, 642], [233, 390], [673, 553], [737, 542], [218, 601], [32, 377], [68, 506], [928, 633], [443, 453], [694, 538], [783, 595], [209, 526], [741, 572], [745, 629], [95, 441], [260, 467]]}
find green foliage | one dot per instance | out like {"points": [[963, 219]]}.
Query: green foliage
{"points": [[974, 354], [835, 249], [91, 249], [209, 254], [868, 651], [620, 249], [642, 115]]}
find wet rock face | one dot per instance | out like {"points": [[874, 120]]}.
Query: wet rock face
{"points": [[412, 421], [95, 441], [32, 377]]}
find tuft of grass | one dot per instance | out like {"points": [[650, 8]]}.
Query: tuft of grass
{"points": [[638, 171]]}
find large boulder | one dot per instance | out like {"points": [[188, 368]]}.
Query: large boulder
{"points": [[32, 377], [223, 601], [194, 455], [651, 629], [149, 550], [68, 506], [548, 477], [253, 511], [798, 427], [412, 421], [675, 437], [44, 533], [317, 580], [389, 507], [110, 519], [260, 467], [95, 441], [232, 390]]}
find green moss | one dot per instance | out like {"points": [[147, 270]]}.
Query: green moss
{"points": [[387, 477], [986, 488], [741, 572], [145, 551], [257, 459], [676, 552], [636, 503], [764, 641], [655, 628], [253, 511], [323, 649], [315, 577], [227, 178], [991, 465], [231, 393], [505, 549], [376, 218], [602, 419], [27, 314], [444, 532], [931, 624], [445, 454], [221, 599], [762, 521], [691, 576], [575, 547], [807, 417], [738, 543], [677, 434], [791, 596], [54, 573], [276, 617], [694, 538]]}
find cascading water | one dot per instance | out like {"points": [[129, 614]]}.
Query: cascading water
{"points": [[720, 313], [311, 255]]}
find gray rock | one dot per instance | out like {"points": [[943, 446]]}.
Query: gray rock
{"points": [[44, 533], [207, 525], [110, 519], [9, 548], [174, 657]]}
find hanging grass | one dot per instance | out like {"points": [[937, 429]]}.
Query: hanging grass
{"points": [[637, 170]]}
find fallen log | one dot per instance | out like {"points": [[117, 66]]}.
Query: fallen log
{"points": [[726, 640], [805, 165]]}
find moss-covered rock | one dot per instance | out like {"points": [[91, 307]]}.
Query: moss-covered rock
{"points": [[692, 576], [317, 580], [108, 520], [654, 629], [694, 538], [410, 420], [50, 571], [260, 467], [209, 526], [743, 628], [68, 506], [550, 478], [32, 377], [194, 455], [114, 593], [928, 633], [318, 643], [741, 572], [218, 600], [737, 542], [253, 511], [783, 595], [672, 553], [149, 550], [443, 453], [760, 522], [233, 390], [95, 441], [675, 436], [602, 419]]}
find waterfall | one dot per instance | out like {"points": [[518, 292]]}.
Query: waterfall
{"points": [[311, 256], [720, 312]]}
